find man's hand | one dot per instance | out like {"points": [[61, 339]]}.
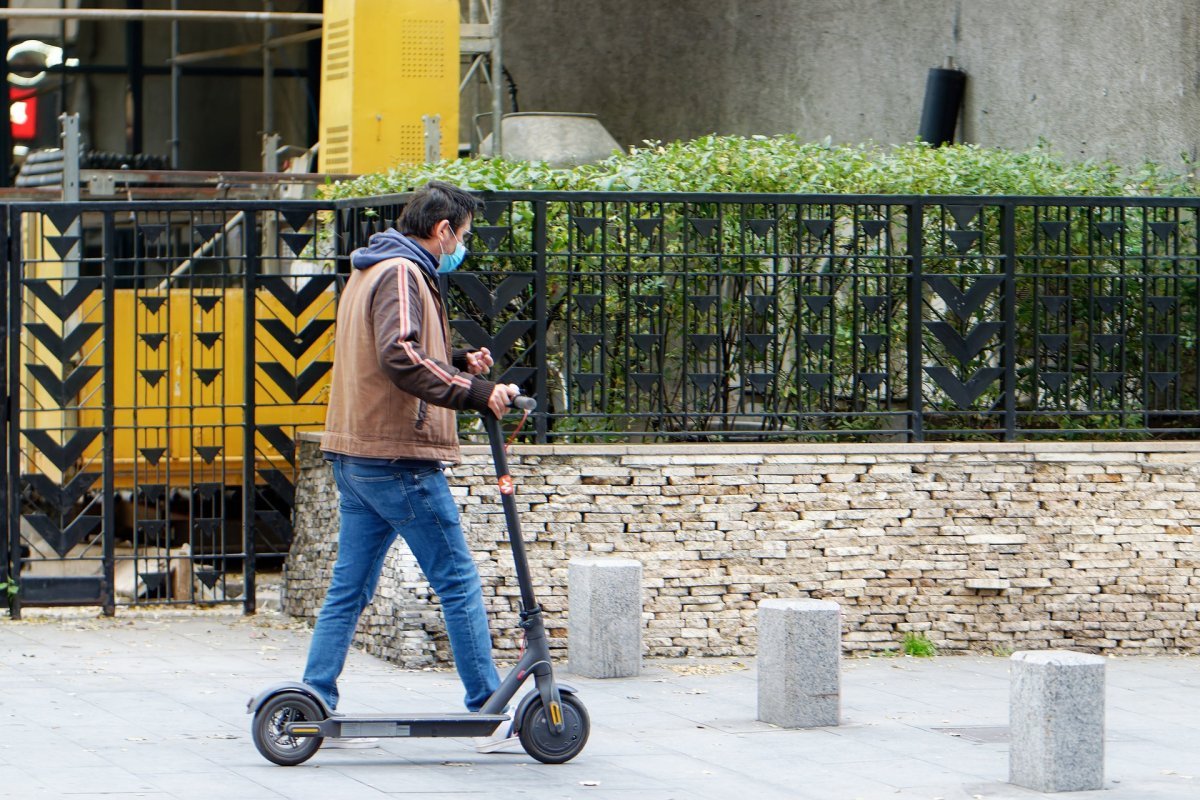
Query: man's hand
{"points": [[502, 397], [479, 361]]}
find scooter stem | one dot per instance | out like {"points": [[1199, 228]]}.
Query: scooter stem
{"points": [[531, 613], [505, 482]]}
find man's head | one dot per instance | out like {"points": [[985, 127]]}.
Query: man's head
{"points": [[438, 216]]}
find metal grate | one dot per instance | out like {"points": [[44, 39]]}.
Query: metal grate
{"points": [[719, 317], [421, 52], [162, 356], [337, 50]]}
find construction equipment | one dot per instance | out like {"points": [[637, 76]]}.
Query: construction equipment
{"points": [[389, 83]]}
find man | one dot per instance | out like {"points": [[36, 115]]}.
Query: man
{"points": [[389, 429]]}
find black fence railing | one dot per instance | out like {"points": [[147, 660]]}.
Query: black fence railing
{"points": [[161, 359], [163, 356], [716, 317]]}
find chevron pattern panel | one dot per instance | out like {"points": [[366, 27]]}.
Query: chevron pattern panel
{"points": [[160, 397], [58, 316], [961, 320], [1111, 336], [295, 310]]}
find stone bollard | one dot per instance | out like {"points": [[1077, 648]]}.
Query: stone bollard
{"points": [[604, 629], [799, 650], [1056, 721]]}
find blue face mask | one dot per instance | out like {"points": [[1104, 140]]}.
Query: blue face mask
{"points": [[448, 262]]}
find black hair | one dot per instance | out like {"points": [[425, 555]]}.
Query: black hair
{"points": [[434, 202]]}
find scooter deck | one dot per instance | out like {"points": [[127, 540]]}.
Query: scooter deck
{"points": [[393, 726]]}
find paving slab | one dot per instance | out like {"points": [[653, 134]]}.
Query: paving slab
{"points": [[151, 704]]}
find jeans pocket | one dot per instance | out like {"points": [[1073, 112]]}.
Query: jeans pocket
{"points": [[375, 479], [382, 490]]}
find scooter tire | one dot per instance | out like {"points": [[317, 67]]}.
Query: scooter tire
{"points": [[550, 748], [269, 737]]}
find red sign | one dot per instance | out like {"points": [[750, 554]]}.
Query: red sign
{"points": [[22, 112]]}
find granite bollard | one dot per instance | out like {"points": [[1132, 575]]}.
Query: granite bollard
{"points": [[799, 654], [1056, 721], [604, 629]]}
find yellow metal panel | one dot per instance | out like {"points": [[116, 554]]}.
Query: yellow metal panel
{"points": [[180, 411], [385, 65], [39, 261], [160, 400]]}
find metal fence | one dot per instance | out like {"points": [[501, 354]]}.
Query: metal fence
{"points": [[719, 317], [162, 357]]}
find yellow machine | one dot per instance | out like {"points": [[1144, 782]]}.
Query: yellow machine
{"points": [[389, 83]]}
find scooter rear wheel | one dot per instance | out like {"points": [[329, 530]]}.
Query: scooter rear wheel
{"points": [[551, 748], [270, 736]]}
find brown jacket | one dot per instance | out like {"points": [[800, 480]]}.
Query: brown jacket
{"points": [[394, 383]]}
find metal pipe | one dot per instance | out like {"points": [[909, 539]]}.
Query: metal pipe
{"points": [[53, 179], [43, 168], [134, 60], [268, 99], [236, 221], [6, 144], [70, 194], [62, 79], [159, 15], [312, 80], [497, 82], [175, 74], [242, 49], [470, 73], [188, 71]]}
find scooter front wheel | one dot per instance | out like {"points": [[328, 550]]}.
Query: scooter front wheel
{"points": [[270, 733], [552, 748]]}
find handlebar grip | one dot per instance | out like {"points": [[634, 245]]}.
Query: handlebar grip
{"points": [[524, 403]]}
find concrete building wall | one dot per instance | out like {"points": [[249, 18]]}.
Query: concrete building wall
{"points": [[1097, 78]]}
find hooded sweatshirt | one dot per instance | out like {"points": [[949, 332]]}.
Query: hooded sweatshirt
{"points": [[395, 379], [393, 244]]}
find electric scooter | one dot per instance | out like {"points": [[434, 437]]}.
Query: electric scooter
{"points": [[291, 720]]}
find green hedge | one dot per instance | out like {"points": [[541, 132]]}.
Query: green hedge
{"points": [[788, 164]]}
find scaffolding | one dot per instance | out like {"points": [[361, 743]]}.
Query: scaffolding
{"points": [[480, 49]]}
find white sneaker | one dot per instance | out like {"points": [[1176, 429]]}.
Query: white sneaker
{"points": [[361, 743], [503, 740]]}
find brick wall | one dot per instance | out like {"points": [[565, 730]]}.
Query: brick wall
{"points": [[982, 547]]}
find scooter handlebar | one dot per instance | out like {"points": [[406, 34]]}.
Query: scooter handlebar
{"points": [[524, 403]]}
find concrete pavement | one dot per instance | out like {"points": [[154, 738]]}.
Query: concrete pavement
{"points": [[152, 704]]}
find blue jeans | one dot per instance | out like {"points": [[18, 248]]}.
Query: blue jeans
{"points": [[377, 503]]}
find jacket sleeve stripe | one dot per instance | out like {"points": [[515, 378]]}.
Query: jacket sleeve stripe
{"points": [[402, 289], [409, 329], [433, 366]]}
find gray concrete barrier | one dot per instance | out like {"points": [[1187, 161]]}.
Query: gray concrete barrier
{"points": [[799, 654], [604, 629], [1056, 721]]}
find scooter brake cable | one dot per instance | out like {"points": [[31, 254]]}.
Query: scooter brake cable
{"points": [[513, 436]]}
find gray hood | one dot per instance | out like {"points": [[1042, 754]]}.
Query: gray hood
{"points": [[393, 244]]}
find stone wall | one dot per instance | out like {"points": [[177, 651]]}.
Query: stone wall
{"points": [[981, 547]]}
